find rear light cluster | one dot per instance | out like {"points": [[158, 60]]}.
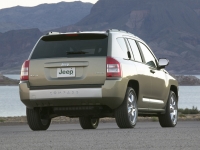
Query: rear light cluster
{"points": [[25, 71], [113, 68]]}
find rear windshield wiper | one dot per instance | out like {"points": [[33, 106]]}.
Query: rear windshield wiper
{"points": [[79, 52]]}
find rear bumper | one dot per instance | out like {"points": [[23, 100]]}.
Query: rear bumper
{"points": [[65, 93], [111, 94]]}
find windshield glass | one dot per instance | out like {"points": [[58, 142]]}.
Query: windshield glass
{"points": [[71, 45]]}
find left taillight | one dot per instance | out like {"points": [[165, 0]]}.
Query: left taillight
{"points": [[25, 71], [113, 68]]}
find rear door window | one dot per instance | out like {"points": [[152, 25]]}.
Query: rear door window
{"points": [[122, 44], [74, 45], [135, 50]]}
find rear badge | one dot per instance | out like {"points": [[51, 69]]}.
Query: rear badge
{"points": [[64, 64]]}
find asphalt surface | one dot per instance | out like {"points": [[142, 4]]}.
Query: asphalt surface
{"points": [[145, 136]]}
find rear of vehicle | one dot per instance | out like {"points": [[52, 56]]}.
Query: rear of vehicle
{"points": [[70, 75], [92, 75]]}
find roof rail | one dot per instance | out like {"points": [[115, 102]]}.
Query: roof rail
{"points": [[116, 30], [53, 33]]}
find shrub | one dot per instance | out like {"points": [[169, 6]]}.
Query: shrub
{"points": [[1, 120], [194, 110], [154, 119]]}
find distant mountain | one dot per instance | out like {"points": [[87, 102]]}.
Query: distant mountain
{"points": [[44, 17], [15, 47], [170, 27]]}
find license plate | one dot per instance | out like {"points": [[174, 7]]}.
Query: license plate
{"points": [[66, 72]]}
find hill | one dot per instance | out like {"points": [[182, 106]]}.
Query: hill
{"points": [[170, 27], [44, 16], [4, 81], [15, 47]]}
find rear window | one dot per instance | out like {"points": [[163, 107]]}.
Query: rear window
{"points": [[71, 45]]}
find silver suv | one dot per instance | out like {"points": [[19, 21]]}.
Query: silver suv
{"points": [[92, 75]]}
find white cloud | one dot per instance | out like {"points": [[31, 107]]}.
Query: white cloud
{"points": [[12, 3]]}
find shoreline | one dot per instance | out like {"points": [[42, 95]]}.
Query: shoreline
{"points": [[183, 80], [5, 81], [6, 121]]}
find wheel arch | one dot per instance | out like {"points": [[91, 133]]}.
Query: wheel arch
{"points": [[175, 90], [135, 85]]}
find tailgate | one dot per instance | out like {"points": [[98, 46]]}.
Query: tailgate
{"points": [[68, 71], [69, 59]]}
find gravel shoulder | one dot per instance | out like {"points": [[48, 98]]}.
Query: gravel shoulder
{"points": [[4, 121]]}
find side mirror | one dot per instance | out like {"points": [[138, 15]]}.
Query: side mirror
{"points": [[162, 62]]}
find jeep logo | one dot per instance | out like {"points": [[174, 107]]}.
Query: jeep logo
{"points": [[64, 64], [69, 72]]}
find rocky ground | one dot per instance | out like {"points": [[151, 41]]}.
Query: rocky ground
{"points": [[60, 120]]}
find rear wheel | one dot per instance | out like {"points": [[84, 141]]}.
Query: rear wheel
{"points": [[37, 120], [126, 114], [88, 122], [169, 119]]}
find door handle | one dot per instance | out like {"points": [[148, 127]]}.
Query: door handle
{"points": [[152, 71]]}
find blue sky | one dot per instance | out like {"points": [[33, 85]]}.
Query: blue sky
{"points": [[30, 3]]}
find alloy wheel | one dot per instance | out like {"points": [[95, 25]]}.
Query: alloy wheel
{"points": [[173, 110], [132, 108]]}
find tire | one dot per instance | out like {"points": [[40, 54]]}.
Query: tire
{"points": [[127, 113], [89, 123], [169, 119], [34, 119]]}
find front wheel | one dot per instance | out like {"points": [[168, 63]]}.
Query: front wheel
{"points": [[88, 122], [169, 119], [36, 119], [127, 113]]}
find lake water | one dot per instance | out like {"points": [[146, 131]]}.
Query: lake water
{"points": [[10, 104]]}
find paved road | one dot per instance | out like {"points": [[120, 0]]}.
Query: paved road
{"points": [[145, 136]]}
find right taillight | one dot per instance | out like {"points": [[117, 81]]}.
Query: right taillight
{"points": [[113, 68], [25, 71]]}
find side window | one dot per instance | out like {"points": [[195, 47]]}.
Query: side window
{"points": [[149, 58], [135, 50], [123, 46]]}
